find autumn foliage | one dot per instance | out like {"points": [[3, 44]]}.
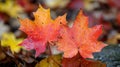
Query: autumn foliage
{"points": [[9, 40], [40, 31], [79, 38]]}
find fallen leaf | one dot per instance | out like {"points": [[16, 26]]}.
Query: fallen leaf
{"points": [[9, 40], [51, 61], [80, 38], [10, 8], [78, 61], [40, 31]]}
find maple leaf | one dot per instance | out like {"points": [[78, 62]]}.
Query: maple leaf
{"points": [[9, 40], [80, 38], [40, 31], [78, 61]]}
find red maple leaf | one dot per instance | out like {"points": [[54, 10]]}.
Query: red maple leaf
{"points": [[80, 38], [40, 31], [78, 61]]}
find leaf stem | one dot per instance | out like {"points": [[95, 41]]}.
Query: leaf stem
{"points": [[50, 54], [49, 49]]}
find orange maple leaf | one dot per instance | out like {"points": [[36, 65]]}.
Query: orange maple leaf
{"points": [[80, 38], [40, 31]]}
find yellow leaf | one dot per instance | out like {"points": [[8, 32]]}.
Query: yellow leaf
{"points": [[51, 61], [9, 40], [10, 8]]}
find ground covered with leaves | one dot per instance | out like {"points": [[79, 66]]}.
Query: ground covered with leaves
{"points": [[57, 33]]}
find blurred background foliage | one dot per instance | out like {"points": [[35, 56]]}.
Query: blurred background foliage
{"points": [[105, 12]]}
